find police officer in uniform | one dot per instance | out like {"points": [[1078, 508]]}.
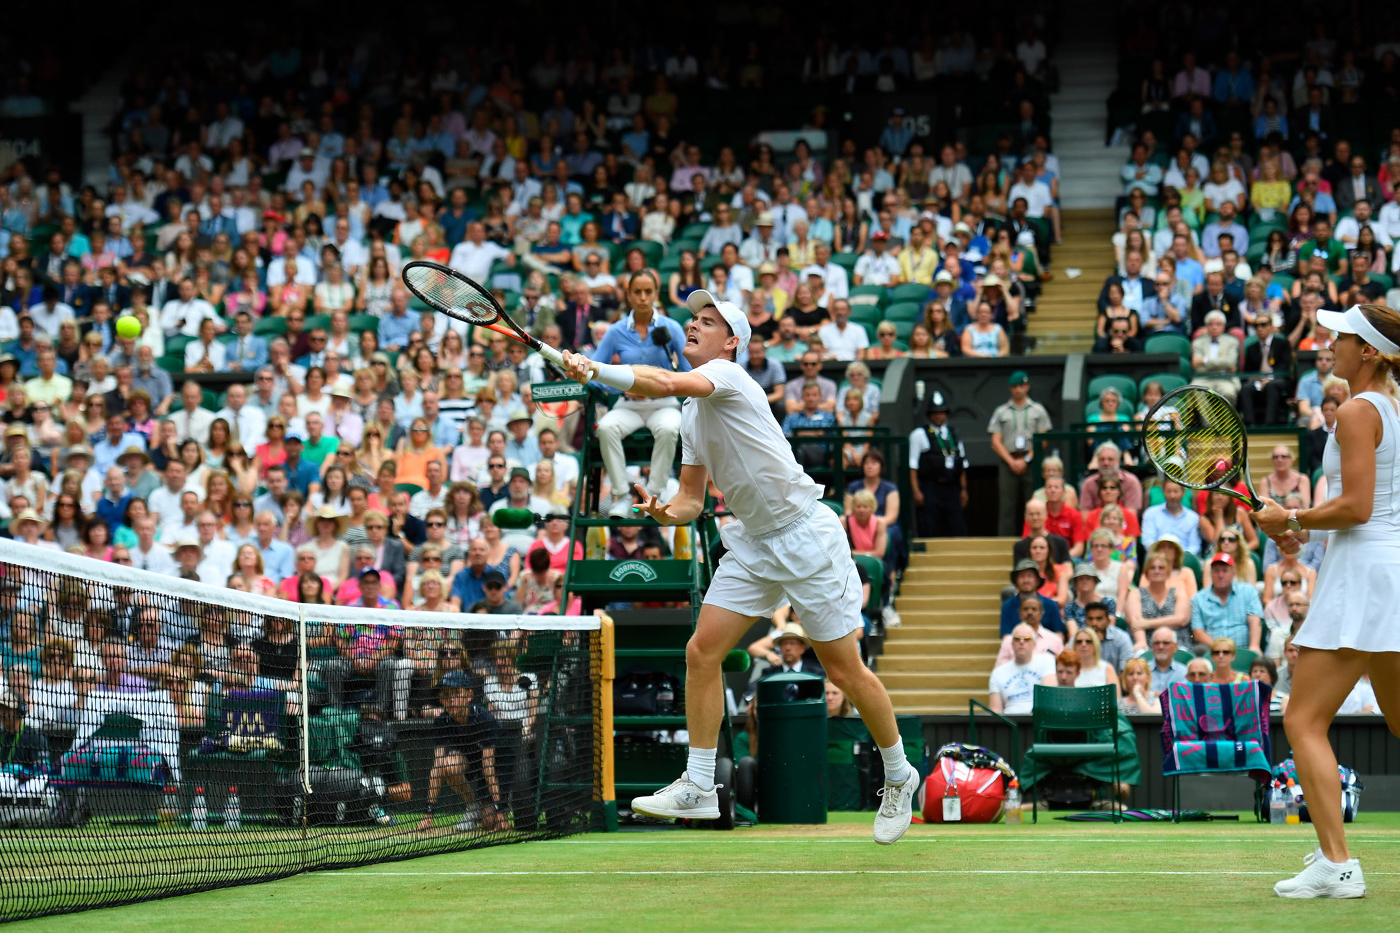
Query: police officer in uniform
{"points": [[938, 473]]}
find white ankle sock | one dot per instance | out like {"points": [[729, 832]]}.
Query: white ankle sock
{"points": [[896, 765], [700, 767]]}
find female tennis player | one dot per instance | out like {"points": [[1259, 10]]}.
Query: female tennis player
{"points": [[1352, 626], [785, 544]]}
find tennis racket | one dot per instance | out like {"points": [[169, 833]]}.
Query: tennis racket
{"points": [[457, 296], [1197, 439]]}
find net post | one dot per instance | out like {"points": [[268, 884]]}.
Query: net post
{"points": [[304, 728], [608, 673]]}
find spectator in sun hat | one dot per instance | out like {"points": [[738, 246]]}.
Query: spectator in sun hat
{"points": [[1026, 579], [793, 648]]}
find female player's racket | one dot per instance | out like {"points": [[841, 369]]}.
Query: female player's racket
{"points": [[457, 296], [1197, 439]]}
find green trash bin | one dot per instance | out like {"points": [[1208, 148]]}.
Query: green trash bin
{"points": [[792, 749]]}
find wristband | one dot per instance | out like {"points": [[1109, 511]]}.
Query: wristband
{"points": [[618, 377]]}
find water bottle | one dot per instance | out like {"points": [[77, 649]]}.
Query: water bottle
{"points": [[1013, 802], [1290, 803], [665, 698], [1277, 805], [199, 812], [233, 810], [169, 810]]}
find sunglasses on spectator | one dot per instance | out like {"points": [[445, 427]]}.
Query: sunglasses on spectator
{"points": [[1292, 582], [435, 524], [248, 505], [806, 364], [1021, 638], [428, 560], [1228, 539], [1216, 651], [1163, 644], [1109, 486]]}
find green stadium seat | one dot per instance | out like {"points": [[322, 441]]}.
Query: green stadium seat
{"points": [[668, 265], [846, 261], [269, 327], [866, 314], [905, 311], [359, 322], [911, 291], [902, 329], [175, 346], [695, 232], [1169, 343], [868, 295], [1384, 279], [680, 314], [681, 244], [175, 364], [1124, 384], [318, 320], [1169, 381], [653, 251], [709, 262]]}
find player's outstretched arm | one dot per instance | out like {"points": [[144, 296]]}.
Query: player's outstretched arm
{"points": [[686, 505], [646, 381]]}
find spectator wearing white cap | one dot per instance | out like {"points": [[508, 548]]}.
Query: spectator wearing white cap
{"points": [[833, 276], [878, 266], [761, 246]]}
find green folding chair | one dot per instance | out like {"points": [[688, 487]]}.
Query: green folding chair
{"points": [[916, 292], [1081, 710]]}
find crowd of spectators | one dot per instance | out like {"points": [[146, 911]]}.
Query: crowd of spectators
{"points": [[1260, 188], [290, 422]]}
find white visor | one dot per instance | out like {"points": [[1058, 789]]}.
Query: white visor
{"points": [[1354, 321], [700, 299]]}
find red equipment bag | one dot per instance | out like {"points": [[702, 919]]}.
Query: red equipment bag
{"points": [[982, 791]]}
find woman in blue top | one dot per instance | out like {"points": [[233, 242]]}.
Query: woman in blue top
{"points": [[643, 337]]}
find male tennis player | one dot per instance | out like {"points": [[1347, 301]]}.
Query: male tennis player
{"points": [[785, 545]]}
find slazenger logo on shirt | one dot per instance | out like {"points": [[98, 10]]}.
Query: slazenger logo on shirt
{"points": [[631, 568]]}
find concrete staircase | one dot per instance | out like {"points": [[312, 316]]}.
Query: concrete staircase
{"points": [[1064, 316], [949, 601]]}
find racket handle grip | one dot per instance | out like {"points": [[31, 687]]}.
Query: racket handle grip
{"points": [[551, 354]]}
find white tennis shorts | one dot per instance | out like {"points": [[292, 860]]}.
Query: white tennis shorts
{"points": [[807, 562]]}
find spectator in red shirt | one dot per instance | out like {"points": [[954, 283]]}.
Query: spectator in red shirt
{"points": [[1111, 493], [1060, 519], [1036, 525]]}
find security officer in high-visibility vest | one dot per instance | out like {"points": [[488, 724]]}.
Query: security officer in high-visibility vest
{"points": [[938, 473]]}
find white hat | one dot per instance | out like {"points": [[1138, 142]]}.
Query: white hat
{"points": [[700, 299], [1354, 321], [818, 271]]}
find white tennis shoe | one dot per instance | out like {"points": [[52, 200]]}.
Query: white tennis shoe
{"points": [[1321, 878], [896, 809], [620, 508], [680, 799]]}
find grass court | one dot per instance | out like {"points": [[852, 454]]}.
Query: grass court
{"points": [[1053, 876]]}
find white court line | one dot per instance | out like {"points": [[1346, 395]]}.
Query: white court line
{"points": [[631, 839], [852, 871]]}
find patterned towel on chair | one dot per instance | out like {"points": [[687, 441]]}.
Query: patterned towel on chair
{"points": [[1216, 727]]}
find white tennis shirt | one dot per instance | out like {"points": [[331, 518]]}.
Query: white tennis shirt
{"points": [[732, 433]]}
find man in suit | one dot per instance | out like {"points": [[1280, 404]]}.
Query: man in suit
{"points": [[578, 314], [246, 352], [1315, 116], [1135, 289], [1214, 299], [620, 224], [1274, 356], [792, 646], [72, 291], [1215, 357], [1358, 186]]}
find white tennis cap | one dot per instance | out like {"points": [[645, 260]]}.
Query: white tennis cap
{"points": [[700, 299], [1354, 321]]}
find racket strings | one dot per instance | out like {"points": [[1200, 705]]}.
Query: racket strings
{"points": [[450, 294], [1197, 440]]}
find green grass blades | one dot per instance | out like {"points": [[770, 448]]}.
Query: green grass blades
{"points": [[1053, 876]]}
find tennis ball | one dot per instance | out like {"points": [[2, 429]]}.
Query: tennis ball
{"points": [[1219, 469], [128, 328]]}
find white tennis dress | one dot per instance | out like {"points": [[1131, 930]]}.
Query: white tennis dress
{"points": [[1357, 603]]}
